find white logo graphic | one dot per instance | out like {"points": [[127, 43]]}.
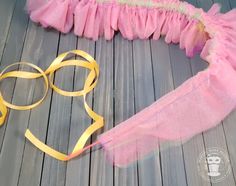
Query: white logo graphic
{"points": [[213, 165]]}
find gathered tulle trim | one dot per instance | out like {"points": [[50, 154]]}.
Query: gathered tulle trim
{"points": [[179, 21], [58, 14]]}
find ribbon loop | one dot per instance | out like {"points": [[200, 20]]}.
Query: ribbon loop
{"points": [[25, 75], [89, 85]]}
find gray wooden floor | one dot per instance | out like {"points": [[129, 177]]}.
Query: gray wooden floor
{"points": [[133, 75]]}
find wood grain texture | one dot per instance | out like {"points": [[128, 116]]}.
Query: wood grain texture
{"points": [[194, 147], [12, 53], [41, 50], [6, 14], [230, 128], [163, 83], [54, 171], [148, 168], [232, 4], [18, 120], [216, 137], [124, 101], [173, 159], [101, 171], [133, 75], [78, 170]]}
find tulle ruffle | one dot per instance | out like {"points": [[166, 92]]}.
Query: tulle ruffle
{"points": [[93, 19], [57, 14], [211, 94]]}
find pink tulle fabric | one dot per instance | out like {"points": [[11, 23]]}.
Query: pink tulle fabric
{"points": [[198, 104], [95, 18]]}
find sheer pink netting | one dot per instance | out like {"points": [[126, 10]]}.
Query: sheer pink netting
{"points": [[198, 104]]}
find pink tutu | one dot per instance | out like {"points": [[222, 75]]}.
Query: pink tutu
{"points": [[198, 104]]}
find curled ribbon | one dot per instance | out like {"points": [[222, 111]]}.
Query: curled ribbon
{"points": [[89, 85]]}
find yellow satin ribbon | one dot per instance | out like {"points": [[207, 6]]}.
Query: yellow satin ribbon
{"points": [[89, 85]]}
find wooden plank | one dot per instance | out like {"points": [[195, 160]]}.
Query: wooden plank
{"points": [[77, 172], [194, 147], [148, 168], [6, 13], [173, 170], [216, 137], [33, 158], [197, 65], [101, 171], [163, 83], [232, 4], [54, 171], [36, 52], [124, 101], [29, 170], [163, 80], [230, 128], [12, 53]]}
